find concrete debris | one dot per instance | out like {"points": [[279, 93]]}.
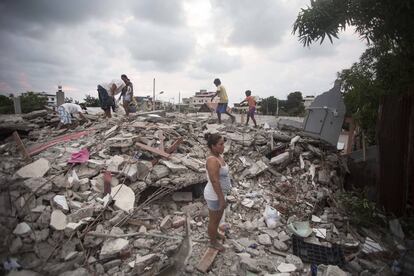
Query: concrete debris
{"points": [[60, 202], [36, 169], [124, 197], [154, 215], [112, 247], [285, 268], [22, 229], [58, 220]]}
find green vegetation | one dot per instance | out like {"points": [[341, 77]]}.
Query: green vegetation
{"points": [[91, 101], [293, 106], [6, 105], [386, 67], [31, 102]]}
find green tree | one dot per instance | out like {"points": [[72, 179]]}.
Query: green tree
{"points": [[293, 106], [6, 105], [269, 105], [31, 102], [91, 101], [386, 67]]}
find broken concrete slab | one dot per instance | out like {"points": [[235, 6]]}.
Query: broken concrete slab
{"points": [[38, 185], [22, 229], [264, 239], [166, 223], [279, 159], [60, 202], [113, 246], [143, 261], [285, 268], [58, 220], [124, 197], [159, 171], [114, 163], [175, 168], [36, 169], [131, 172]]}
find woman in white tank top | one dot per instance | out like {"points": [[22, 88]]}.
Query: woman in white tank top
{"points": [[218, 184]]}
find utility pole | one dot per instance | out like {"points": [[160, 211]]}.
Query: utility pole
{"points": [[153, 95], [179, 100], [277, 108]]}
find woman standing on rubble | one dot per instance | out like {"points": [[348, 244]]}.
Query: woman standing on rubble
{"points": [[217, 186]]}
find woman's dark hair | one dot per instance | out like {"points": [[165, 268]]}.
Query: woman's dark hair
{"points": [[212, 139]]}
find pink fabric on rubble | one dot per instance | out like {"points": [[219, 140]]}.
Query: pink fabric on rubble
{"points": [[79, 157]]}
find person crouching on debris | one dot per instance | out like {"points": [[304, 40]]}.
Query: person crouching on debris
{"points": [[66, 110], [252, 107], [106, 94], [217, 186], [224, 100], [127, 94]]}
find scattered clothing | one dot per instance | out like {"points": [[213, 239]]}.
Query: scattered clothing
{"points": [[79, 157], [64, 115]]}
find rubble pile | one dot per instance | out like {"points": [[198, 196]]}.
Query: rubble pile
{"points": [[128, 201]]}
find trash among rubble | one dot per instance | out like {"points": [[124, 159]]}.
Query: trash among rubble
{"points": [[320, 232], [271, 216], [317, 254], [370, 246], [11, 264], [300, 228], [79, 157]]}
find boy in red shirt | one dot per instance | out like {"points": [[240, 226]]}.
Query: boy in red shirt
{"points": [[252, 107]]}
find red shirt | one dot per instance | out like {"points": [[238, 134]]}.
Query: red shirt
{"points": [[250, 100]]}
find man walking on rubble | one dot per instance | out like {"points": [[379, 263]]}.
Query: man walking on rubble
{"points": [[222, 105], [106, 94]]}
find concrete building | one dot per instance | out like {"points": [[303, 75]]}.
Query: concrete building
{"points": [[308, 100], [200, 98], [51, 98]]}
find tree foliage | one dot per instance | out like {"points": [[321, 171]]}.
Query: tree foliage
{"points": [[386, 67], [91, 101], [269, 106], [293, 106], [31, 102], [6, 105]]}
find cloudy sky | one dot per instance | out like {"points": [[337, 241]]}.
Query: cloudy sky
{"points": [[183, 44]]}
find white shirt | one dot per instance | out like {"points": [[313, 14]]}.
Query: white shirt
{"points": [[72, 108], [118, 83]]}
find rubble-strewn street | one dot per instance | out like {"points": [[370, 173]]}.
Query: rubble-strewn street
{"points": [[131, 203]]}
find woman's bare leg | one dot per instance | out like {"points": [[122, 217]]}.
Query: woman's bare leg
{"points": [[213, 223]]}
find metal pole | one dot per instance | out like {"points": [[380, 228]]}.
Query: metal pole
{"points": [[153, 95], [179, 100], [277, 107]]}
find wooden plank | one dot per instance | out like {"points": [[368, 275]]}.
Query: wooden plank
{"points": [[175, 145], [21, 146], [207, 260], [153, 150]]}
